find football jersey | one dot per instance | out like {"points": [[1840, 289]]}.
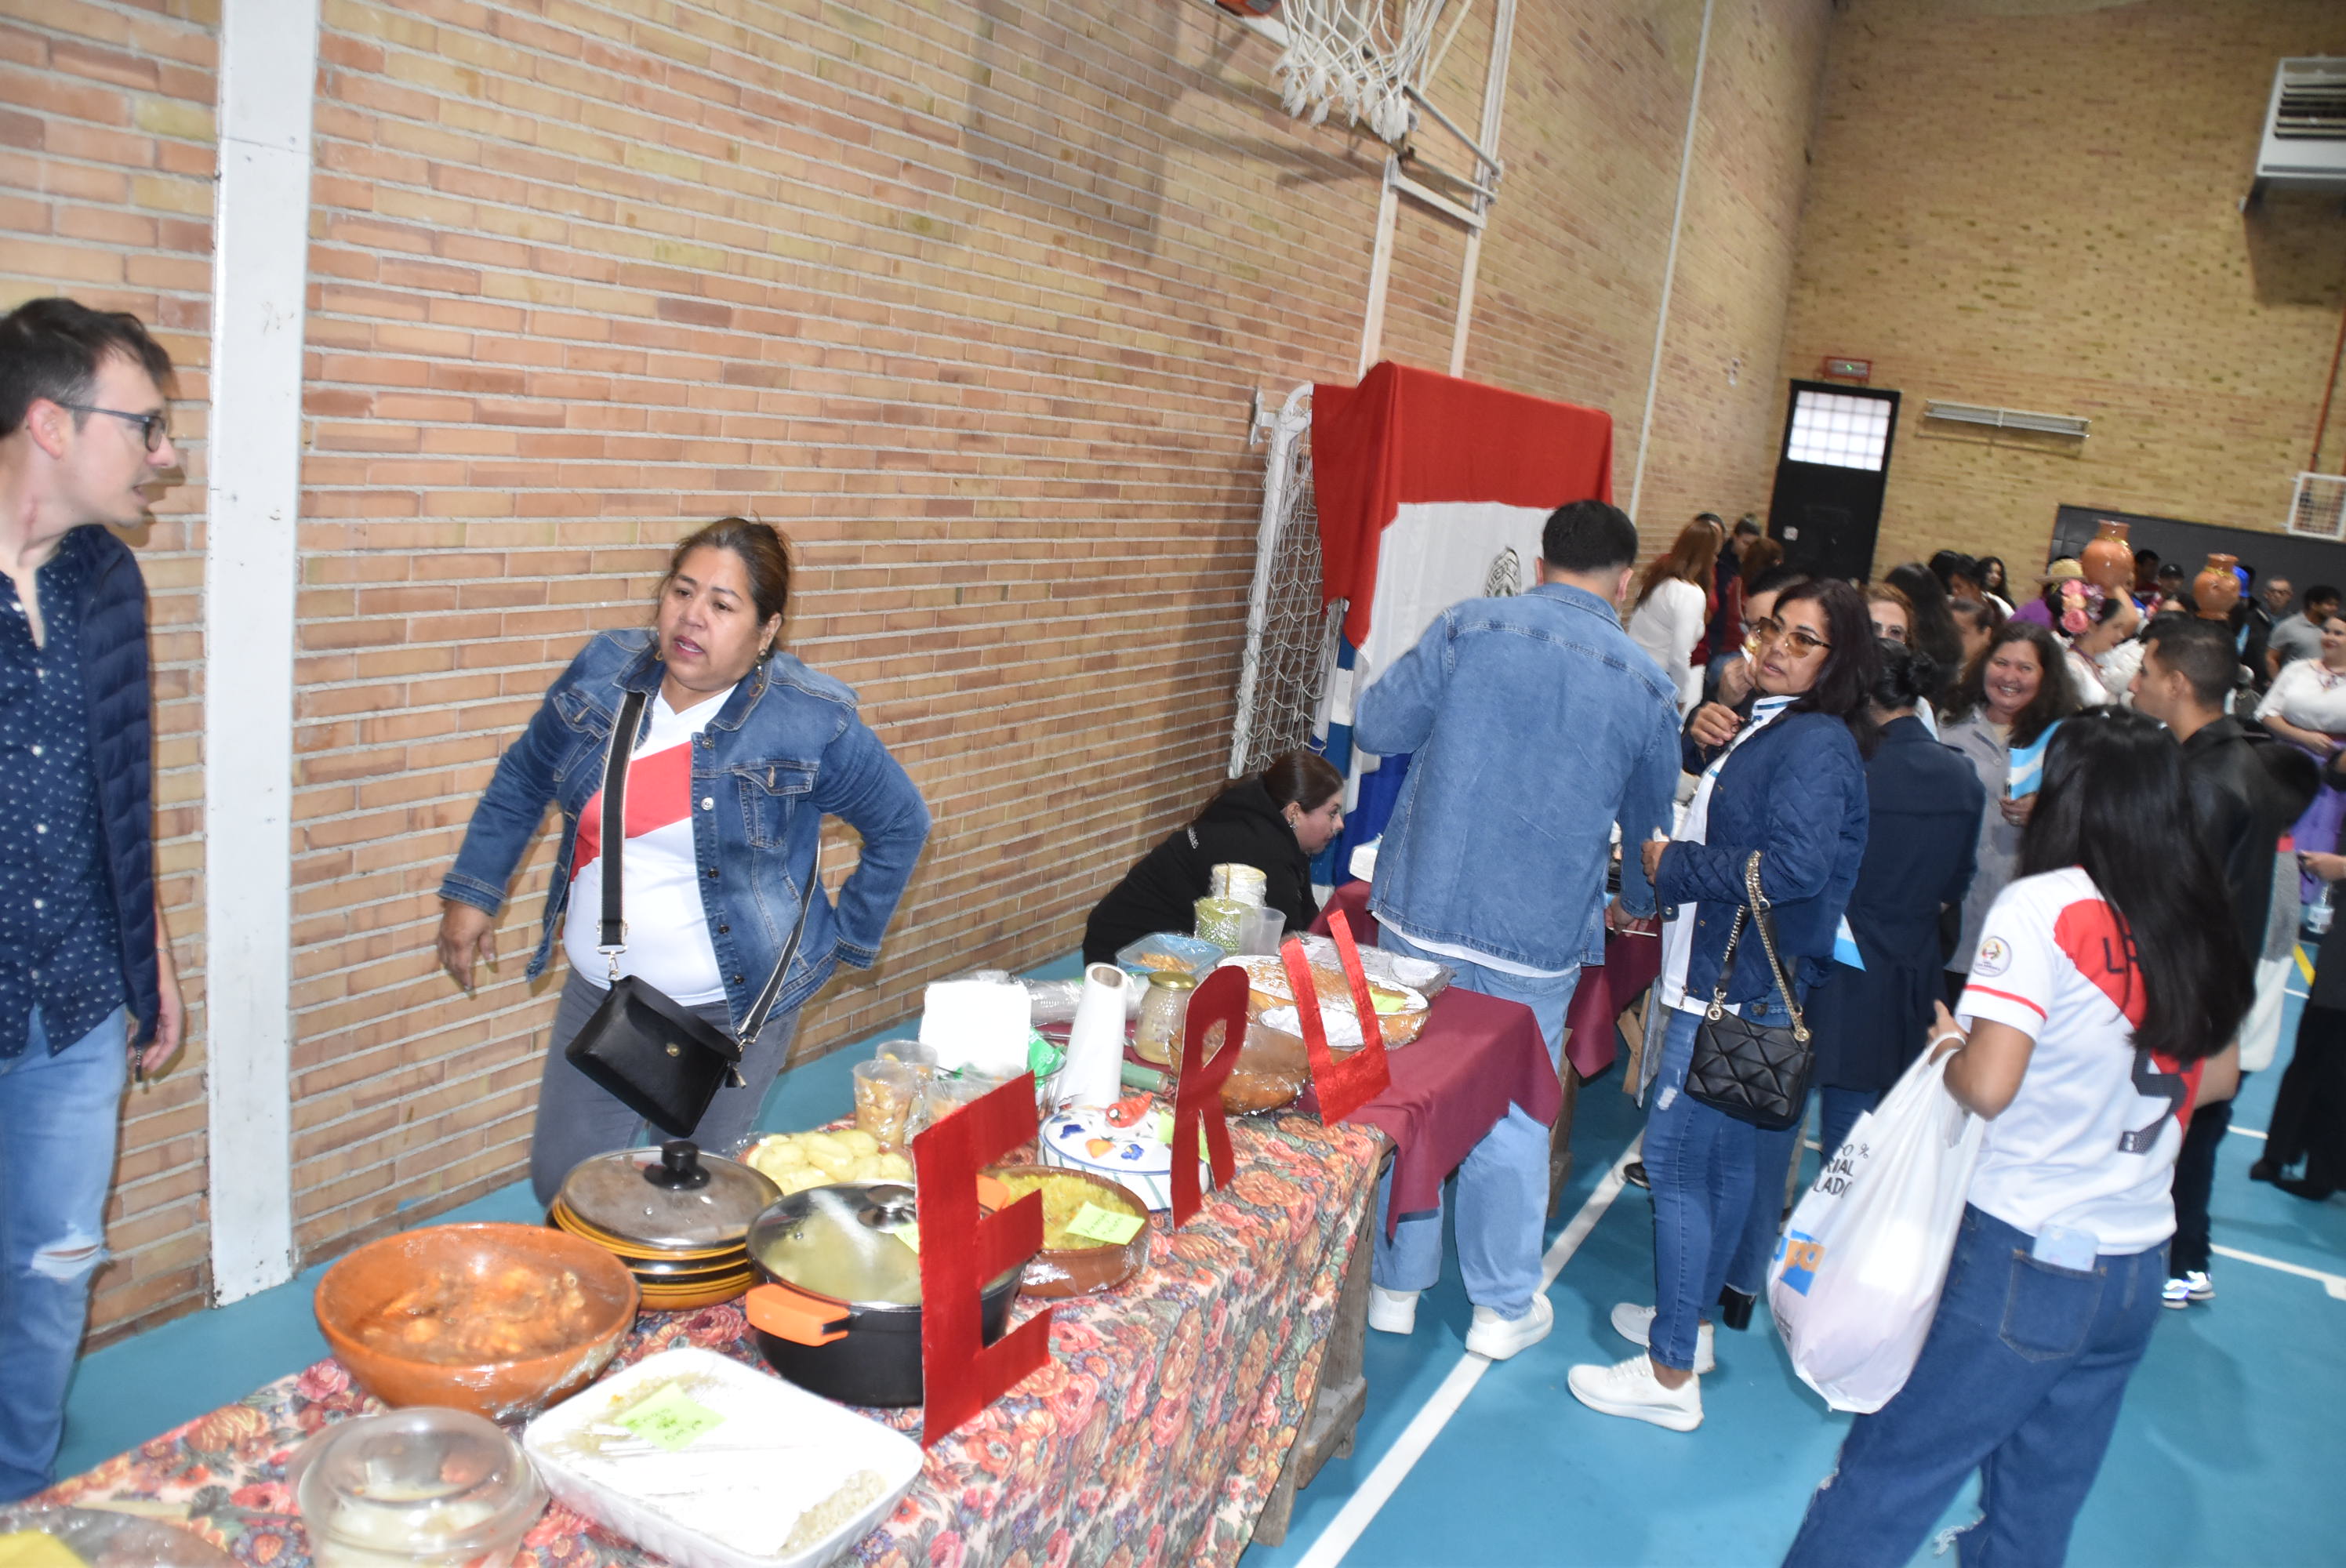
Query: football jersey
{"points": [[2090, 1140]]}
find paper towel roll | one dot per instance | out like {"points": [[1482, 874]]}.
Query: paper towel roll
{"points": [[1095, 1065]]}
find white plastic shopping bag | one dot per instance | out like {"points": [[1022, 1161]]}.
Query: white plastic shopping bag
{"points": [[1857, 1275]]}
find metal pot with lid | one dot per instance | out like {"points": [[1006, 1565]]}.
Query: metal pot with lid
{"points": [[840, 1311], [678, 1217]]}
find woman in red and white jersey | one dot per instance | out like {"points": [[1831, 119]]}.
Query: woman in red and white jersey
{"points": [[2099, 1002]]}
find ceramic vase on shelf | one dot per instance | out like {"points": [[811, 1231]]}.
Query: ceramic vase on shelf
{"points": [[2216, 589], [2109, 559]]}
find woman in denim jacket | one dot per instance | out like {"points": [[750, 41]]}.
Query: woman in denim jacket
{"points": [[1789, 785], [740, 755]]}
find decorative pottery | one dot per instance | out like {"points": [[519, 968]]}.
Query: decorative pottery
{"points": [[2109, 559], [2216, 589]]}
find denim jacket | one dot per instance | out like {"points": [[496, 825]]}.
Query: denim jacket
{"points": [[1536, 724], [785, 750], [1795, 791]]}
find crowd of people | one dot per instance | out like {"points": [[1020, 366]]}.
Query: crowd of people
{"points": [[1939, 787]]}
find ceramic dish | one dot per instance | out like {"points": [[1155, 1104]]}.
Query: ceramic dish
{"points": [[1081, 1268]]}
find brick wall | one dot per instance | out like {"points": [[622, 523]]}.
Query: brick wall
{"points": [[2040, 211], [106, 193], [970, 301]]}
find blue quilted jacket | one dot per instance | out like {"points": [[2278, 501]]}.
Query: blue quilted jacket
{"points": [[1795, 791], [121, 749]]}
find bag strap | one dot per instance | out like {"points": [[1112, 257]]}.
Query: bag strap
{"points": [[1756, 907], [612, 939], [771, 992]]}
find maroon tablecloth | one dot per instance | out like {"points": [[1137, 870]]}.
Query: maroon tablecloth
{"points": [[1477, 1056]]}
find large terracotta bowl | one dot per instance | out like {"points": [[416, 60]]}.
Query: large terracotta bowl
{"points": [[463, 1259]]}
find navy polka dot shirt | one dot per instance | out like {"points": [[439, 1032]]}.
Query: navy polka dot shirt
{"points": [[58, 949]]}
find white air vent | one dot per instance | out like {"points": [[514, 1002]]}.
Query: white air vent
{"points": [[2305, 127]]}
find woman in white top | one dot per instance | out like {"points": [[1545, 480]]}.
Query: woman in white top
{"points": [[2098, 995], [2306, 708], [2096, 627], [1674, 605]]}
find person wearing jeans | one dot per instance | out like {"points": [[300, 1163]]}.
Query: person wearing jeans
{"points": [[1786, 786], [1536, 730], [2096, 986], [86, 972]]}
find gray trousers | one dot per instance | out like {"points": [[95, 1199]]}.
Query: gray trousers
{"points": [[577, 1117]]}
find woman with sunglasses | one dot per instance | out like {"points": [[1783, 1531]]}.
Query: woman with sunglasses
{"points": [[1789, 786]]}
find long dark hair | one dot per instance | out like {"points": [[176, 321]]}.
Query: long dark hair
{"points": [[1930, 628], [1845, 685], [2056, 697], [1303, 779], [2114, 784]]}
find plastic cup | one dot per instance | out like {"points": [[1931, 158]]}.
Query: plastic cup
{"points": [[883, 1100], [1260, 931]]}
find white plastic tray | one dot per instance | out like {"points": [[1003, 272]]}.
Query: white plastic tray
{"points": [[817, 1424]]}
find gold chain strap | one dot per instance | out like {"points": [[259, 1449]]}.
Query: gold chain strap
{"points": [[1756, 907]]}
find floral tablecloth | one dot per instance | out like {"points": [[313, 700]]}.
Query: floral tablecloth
{"points": [[1155, 1435]]}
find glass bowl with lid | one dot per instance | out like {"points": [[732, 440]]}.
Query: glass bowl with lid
{"points": [[419, 1488]]}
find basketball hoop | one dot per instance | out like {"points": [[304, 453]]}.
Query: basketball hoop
{"points": [[1360, 55]]}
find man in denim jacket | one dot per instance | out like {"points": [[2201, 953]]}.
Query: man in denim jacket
{"points": [[1536, 726]]}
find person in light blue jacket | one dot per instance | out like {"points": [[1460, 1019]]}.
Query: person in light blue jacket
{"points": [[1535, 727]]}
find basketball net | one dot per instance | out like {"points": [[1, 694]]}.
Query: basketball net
{"points": [[1359, 55]]}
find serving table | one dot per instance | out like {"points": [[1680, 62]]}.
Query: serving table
{"points": [[1170, 1412]]}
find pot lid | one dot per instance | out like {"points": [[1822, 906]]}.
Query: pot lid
{"points": [[673, 1197], [843, 1241]]}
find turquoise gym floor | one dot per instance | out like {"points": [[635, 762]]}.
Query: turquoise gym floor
{"points": [[2228, 1450]]}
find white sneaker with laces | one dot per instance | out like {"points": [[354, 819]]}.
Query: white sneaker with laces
{"points": [[1500, 1338], [1630, 1388], [1634, 1323], [2192, 1285], [1392, 1311]]}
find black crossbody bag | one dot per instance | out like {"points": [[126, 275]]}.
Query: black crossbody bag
{"points": [[1756, 1073], [659, 1058]]}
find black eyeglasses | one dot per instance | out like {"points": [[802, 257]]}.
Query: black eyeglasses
{"points": [[155, 427]]}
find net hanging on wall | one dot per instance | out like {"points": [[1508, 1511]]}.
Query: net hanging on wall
{"points": [[1290, 636], [1360, 56]]}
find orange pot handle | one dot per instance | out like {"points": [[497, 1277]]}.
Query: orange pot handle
{"points": [[792, 1315], [992, 1196]]}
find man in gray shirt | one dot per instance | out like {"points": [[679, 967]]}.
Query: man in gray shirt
{"points": [[2299, 636]]}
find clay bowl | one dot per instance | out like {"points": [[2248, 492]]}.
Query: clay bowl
{"points": [[463, 1259], [1058, 1272]]}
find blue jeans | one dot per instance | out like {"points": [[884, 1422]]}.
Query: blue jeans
{"points": [[2021, 1379], [1716, 1215], [1502, 1186], [1773, 1154], [57, 1121], [1839, 1109]]}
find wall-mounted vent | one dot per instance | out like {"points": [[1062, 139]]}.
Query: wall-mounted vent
{"points": [[2305, 127], [2318, 508]]}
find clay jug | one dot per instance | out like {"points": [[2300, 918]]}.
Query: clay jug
{"points": [[2216, 590], [2109, 559]]}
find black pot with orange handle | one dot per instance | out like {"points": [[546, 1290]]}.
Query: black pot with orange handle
{"points": [[839, 1313]]}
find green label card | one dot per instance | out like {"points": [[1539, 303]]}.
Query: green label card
{"points": [[670, 1419], [1096, 1224], [909, 1233]]}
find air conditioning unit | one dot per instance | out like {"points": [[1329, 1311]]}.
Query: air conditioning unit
{"points": [[2305, 127]]}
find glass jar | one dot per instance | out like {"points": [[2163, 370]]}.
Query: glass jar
{"points": [[1164, 1011]]}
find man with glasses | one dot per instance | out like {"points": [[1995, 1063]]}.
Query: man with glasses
{"points": [[87, 983]]}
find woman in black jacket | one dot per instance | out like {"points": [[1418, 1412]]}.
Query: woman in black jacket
{"points": [[1923, 806], [1275, 821], [2308, 1115]]}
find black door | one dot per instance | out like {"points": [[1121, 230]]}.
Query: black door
{"points": [[1827, 504]]}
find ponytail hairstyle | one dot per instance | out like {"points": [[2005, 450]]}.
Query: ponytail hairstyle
{"points": [[1301, 778], [2113, 784], [765, 558]]}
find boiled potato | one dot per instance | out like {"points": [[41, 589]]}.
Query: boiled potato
{"points": [[858, 1142]]}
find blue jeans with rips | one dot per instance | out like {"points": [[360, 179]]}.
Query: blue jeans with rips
{"points": [[57, 1121], [2020, 1379], [1502, 1184]]}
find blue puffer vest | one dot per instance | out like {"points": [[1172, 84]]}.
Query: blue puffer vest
{"points": [[121, 750]]}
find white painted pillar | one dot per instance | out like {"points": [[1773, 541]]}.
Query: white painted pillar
{"points": [[268, 63], [1670, 267]]}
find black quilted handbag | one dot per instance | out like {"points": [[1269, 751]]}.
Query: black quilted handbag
{"points": [[1756, 1073]]}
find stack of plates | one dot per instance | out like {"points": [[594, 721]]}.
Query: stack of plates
{"points": [[674, 1279]]}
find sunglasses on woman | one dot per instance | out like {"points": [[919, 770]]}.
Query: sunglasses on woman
{"points": [[1803, 642]]}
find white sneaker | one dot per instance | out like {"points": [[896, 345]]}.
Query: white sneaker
{"points": [[1392, 1311], [1634, 1323], [1500, 1338], [1630, 1388]]}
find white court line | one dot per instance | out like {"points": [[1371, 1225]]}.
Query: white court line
{"points": [[2333, 1284], [1361, 1508], [2247, 1133]]}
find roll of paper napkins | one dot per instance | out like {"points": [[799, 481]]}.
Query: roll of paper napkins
{"points": [[977, 1024], [1095, 1067]]}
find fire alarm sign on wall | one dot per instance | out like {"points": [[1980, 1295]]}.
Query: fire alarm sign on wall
{"points": [[1841, 369]]}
